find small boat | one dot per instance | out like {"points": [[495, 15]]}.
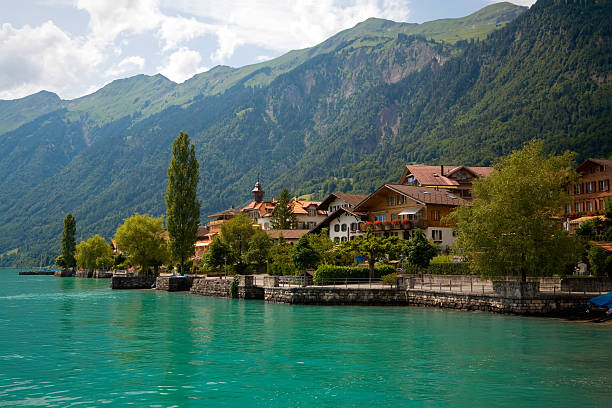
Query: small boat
{"points": [[601, 304]]}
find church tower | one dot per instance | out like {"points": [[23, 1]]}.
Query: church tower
{"points": [[257, 192]]}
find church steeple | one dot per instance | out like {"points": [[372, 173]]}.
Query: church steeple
{"points": [[258, 193]]}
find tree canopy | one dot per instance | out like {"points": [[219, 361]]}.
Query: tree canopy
{"points": [[183, 207], [237, 234], [304, 255], [372, 247], [68, 242], [94, 253], [419, 251], [141, 239], [513, 225], [283, 216]]}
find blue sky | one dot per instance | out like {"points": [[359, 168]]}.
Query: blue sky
{"points": [[74, 47]]}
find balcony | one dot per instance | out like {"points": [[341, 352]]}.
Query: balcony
{"points": [[392, 226]]}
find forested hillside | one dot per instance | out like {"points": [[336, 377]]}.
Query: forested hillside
{"points": [[343, 116]]}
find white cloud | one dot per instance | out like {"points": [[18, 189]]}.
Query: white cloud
{"points": [[109, 19], [282, 26], [131, 64], [182, 65], [43, 57], [46, 57]]}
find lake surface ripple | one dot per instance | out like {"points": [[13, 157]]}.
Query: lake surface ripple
{"points": [[74, 342]]}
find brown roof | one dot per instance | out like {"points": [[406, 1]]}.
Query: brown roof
{"points": [[603, 245], [335, 214], [424, 195], [431, 175], [202, 231], [229, 211], [287, 234], [351, 199], [601, 162]]}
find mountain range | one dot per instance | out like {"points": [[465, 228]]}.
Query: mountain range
{"points": [[345, 115]]}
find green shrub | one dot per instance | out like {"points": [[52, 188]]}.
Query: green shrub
{"points": [[280, 269], [390, 279], [329, 273], [441, 259]]}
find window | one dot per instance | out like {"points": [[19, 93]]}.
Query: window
{"points": [[343, 239], [435, 215], [380, 218], [337, 228], [336, 240], [578, 188], [343, 227], [589, 206], [604, 185], [353, 226], [436, 235], [568, 208], [577, 207], [602, 168], [602, 204], [590, 187]]}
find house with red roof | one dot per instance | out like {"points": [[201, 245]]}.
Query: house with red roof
{"points": [[456, 180]]}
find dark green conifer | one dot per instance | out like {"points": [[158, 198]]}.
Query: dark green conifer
{"points": [[68, 242]]}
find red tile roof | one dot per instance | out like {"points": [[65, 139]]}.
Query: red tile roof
{"points": [[287, 234], [604, 245], [431, 175], [424, 195], [351, 199]]}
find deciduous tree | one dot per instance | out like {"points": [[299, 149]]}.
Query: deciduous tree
{"points": [[304, 255], [141, 239], [183, 207], [237, 233], [372, 247], [513, 225], [419, 251], [94, 253]]}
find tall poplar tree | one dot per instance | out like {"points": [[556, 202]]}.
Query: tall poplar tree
{"points": [[183, 208], [68, 242]]}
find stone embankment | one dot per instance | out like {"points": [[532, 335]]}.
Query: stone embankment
{"points": [[38, 273], [219, 287], [132, 282], [540, 304], [174, 283]]}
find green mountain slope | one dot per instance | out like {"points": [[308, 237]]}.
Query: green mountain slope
{"points": [[345, 115]]}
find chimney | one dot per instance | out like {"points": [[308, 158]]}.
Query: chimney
{"points": [[441, 170]]}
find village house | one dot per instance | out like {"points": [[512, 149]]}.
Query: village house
{"points": [[396, 210], [208, 232], [306, 211], [589, 196], [456, 180], [342, 220]]}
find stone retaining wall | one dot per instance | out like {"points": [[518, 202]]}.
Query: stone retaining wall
{"points": [[211, 287], [174, 283], [542, 305], [132, 282], [63, 273], [84, 274]]}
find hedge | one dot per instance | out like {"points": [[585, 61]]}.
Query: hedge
{"points": [[330, 273]]}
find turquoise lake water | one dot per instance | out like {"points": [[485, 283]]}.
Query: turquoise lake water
{"points": [[74, 342]]}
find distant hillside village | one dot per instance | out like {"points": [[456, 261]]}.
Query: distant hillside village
{"points": [[423, 196]]}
